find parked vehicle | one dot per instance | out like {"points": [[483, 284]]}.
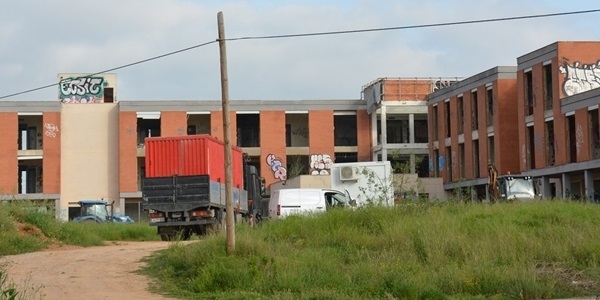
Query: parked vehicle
{"points": [[99, 211], [285, 202], [509, 187], [183, 190]]}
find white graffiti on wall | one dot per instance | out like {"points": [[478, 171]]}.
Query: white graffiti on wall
{"points": [[82, 90], [524, 155], [578, 138], [320, 164], [50, 129], [580, 78], [454, 161]]}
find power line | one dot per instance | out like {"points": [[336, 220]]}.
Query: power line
{"points": [[319, 34], [414, 26]]}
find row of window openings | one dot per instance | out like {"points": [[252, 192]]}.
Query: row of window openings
{"points": [[546, 89], [449, 164], [489, 103], [345, 132], [529, 102], [530, 156]]}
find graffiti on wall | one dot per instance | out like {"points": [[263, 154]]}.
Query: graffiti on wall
{"points": [[524, 155], [82, 90], [440, 83], [277, 168], [454, 161], [320, 164], [578, 138], [50, 129], [579, 78], [441, 162]]}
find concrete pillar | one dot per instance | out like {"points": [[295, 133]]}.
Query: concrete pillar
{"points": [[588, 181], [374, 135], [566, 185], [383, 132], [413, 160], [122, 206], [546, 193], [411, 128]]}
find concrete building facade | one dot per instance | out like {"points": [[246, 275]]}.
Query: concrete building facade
{"points": [[89, 145]]}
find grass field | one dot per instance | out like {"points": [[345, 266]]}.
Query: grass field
{"points": [[538, 250]]}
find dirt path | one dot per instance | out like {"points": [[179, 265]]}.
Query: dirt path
{"points": [[105, 272]]}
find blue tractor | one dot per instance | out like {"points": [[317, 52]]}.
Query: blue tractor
{"points": [[99, 211]]}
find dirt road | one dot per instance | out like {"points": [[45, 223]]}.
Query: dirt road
{"points": [[105, 272]]}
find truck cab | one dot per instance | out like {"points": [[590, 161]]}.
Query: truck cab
{"points": [[516, 187]]}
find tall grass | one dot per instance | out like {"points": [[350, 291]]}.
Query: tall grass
{"points": [[414, 251]]}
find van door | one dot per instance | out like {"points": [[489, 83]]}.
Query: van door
{"points": [[289, 202]]}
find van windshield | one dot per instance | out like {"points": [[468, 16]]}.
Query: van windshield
{"points": [[336, 199]]}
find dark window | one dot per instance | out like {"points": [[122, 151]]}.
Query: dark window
{"points": [[345, 130]]}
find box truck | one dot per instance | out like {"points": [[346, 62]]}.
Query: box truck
{"points": [[369, 182], [183, 190], [285, 202]]}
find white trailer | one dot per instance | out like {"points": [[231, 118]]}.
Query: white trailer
{"points": [[366, 182]]}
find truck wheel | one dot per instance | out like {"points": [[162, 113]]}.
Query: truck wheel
{"points": [[167, 237], [186, 234]]}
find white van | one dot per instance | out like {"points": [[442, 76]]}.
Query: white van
{"points": [[285, 202]]}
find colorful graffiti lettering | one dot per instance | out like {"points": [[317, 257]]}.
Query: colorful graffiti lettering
{"points": [[51, 129], [82, 90], [320, 164], [580, 78], [279, 171]]}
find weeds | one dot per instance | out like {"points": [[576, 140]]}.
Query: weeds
{"points": [[435, 251]]}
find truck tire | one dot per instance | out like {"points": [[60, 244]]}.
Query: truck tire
{"points": [[167, 237]]}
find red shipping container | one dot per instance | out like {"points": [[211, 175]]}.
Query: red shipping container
{"points": [[191, 155]]}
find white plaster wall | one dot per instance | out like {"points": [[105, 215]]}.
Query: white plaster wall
{"points": [[89, 154]]}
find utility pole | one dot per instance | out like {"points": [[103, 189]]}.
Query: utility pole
{"points": [[229, 213]]}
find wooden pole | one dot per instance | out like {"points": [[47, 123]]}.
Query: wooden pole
{"points": [[229, 213]]}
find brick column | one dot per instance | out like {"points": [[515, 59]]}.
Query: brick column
{"points": [[216, 125], [128, 168], [8, 152], [320, 141], [363, 138], [272, 146], [51, 147], [173, 123]]}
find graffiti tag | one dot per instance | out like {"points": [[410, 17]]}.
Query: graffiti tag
{"points": [[82, 90], [441, 162], [320, 164], [580, 78], [51, 129], [524, 155], [578, 138], [274, 162]]}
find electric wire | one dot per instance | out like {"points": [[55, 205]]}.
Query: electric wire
{"points": [[316, 34], [414, 26]]}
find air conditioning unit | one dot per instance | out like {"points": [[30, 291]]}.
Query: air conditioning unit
{"points": [[348, 173]]}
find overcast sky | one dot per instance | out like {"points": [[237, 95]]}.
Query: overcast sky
{"points": [[40, 39]]}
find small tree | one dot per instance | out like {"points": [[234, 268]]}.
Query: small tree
{"points": [[407, 185]]}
